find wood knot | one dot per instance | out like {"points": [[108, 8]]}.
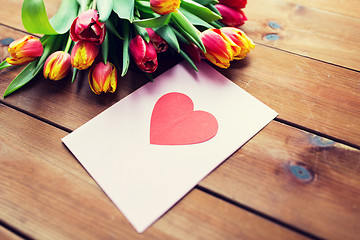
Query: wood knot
{"points": [[6, 41], [271, 37], [301, 172], [274, 25]]}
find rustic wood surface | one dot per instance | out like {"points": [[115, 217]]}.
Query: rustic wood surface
{"points": [[298, 178]]}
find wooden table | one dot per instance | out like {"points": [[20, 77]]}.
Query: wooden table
{"points": [[299, 178]]}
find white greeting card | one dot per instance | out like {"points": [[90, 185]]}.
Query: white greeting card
{"points": [[152, 147]]}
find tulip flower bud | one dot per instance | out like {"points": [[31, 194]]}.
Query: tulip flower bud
{"points": [[240, 39], [164, 7], [88, 28], [144, 54], [159, 43], [103, 78], [83, 54], [24, 50], [236, 4], [230, 16], [219, 48], [192, 50], [57, 65]]}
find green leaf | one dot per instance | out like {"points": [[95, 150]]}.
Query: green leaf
{"points": [[188, 59], [188, 29], [75, 71], [24, 77], [124, 9], [4, 64], [144, 6], [194, 19], [149, 76], [214, 9], [105, 48], [179, 37], [126, 43], [207, 2], [156, 22], [35, 20], [199, 10], [110, 26], [105, 7], [84, 5], [169, 36], [50, 44], [142, 32], [114, 55]]}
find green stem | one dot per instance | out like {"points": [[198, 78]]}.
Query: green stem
{"points": [[68, 44], [94, 4]]}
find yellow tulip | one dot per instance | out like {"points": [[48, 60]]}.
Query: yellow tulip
{"points": [[103, 78], [83, 54], [240, 39], [57, 65], [164, 7], [219, 50]]}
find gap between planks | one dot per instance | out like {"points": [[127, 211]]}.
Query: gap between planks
{"points": [[257, 213]]}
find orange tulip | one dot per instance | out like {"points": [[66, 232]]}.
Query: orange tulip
{"points": [[240, 39], [164, 7], [83, 54], [219, 50], [57, 65], [103, 78], [24, 50]]}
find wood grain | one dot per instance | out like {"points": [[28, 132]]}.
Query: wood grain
{"points": [[11, 12], [298, 178], [5, 234], [348, 8], [305, 30], [305, 181], [48, 195]]}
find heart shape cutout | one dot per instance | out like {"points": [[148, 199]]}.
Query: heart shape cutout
{"points": [[174, 122]]}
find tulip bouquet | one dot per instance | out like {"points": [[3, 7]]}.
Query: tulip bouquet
{"points": [[104, 36]]}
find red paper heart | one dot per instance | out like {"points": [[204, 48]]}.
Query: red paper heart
{"points": [[174, 122]]}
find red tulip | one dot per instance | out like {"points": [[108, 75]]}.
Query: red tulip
{"points": [[193, 51], [144, 54], [87, 27], [103, 78], [236, 4], [159, 43], [24, 50], [57, 65], [230, 16], [83, 54]]}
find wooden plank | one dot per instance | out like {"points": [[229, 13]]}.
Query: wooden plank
{"points": [[5, 234], [306, 31], [47, 195], [349, 8], [309, 93], [299, 178], [11, 12], [312, 94]]}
